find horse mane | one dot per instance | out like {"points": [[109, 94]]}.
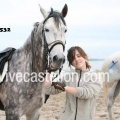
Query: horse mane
{"points": [[33, 34]]}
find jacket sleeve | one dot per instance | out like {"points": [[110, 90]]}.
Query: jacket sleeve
{"points": [[89, 89], [50, 90]]}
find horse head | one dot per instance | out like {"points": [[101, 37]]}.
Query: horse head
{"points": [[53, 30]]}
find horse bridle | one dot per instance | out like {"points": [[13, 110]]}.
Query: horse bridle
{"points": [[51, 45]]}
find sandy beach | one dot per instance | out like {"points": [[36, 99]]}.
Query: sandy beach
{"points": [[50, 110]]}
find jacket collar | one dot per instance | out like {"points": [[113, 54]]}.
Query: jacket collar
{"points": [[83, 71]]}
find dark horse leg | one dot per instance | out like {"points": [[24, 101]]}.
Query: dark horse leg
{"points": [[46, 98], [1, 106], [117, 90]]}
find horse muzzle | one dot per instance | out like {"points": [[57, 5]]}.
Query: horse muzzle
{"points": [[57, 63]]}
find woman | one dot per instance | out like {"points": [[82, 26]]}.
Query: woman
{"points": [[81, 92]]}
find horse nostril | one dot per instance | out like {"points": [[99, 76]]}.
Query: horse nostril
{"points": [[55, 58]]}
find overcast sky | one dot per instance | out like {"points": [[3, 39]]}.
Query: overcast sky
{"points": [[92, 24]]}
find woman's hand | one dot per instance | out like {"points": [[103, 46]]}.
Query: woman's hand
{"points": [[47, 80]]}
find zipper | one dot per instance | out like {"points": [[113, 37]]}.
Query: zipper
{"points": [[76, 97]]}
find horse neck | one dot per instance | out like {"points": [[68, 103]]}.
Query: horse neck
{"points": [[36, 57]]}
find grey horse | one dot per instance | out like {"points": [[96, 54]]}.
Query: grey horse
{"points": [[111, 68], [22, 91]]}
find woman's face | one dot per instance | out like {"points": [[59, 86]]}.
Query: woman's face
{"points": [[79, 61]]}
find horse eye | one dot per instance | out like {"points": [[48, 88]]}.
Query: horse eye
{"points": [[65, 30], [46, 30]]}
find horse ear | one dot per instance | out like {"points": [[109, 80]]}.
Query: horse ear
{"points": [[64, 10], [44, 13]]}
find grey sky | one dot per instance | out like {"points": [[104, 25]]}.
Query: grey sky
{"points": [[92, 24]]}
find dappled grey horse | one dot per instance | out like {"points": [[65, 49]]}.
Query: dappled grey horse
{"points": [[21, 93], [111, 67]]}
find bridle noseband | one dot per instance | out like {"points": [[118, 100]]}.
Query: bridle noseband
{"points": [[52, 44]]}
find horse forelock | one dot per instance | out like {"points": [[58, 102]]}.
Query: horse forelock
{"points": [[57, 17]]}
